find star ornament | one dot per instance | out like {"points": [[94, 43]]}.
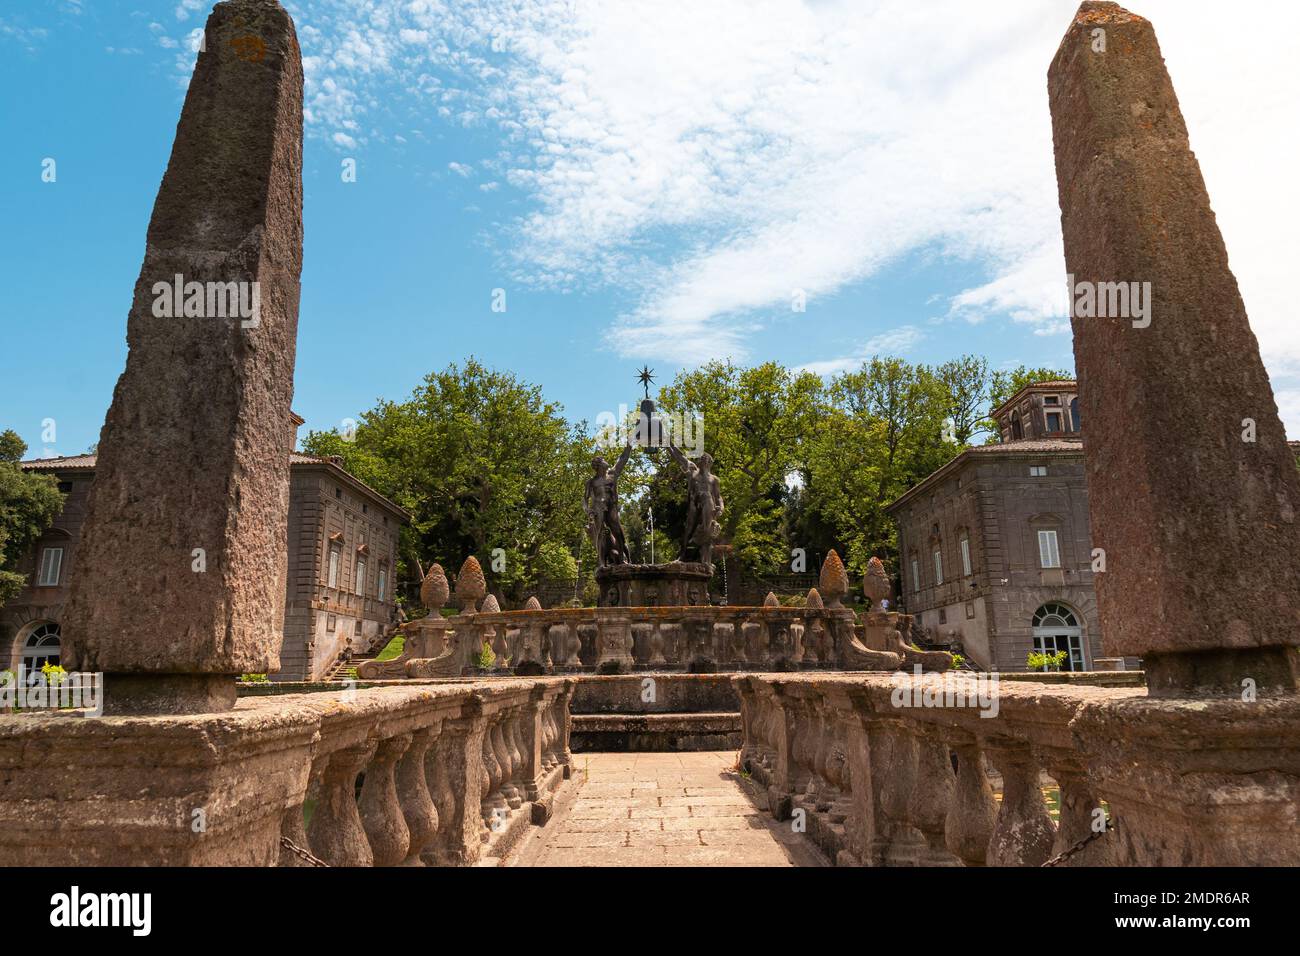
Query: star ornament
{"points": [[646, 377]]}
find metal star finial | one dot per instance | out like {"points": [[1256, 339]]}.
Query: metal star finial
{"points": [[646, 377]]}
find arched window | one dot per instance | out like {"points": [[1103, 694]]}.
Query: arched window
{"points": [[1056, 628], [1055, 615], [41, 647], [1017, 431]]}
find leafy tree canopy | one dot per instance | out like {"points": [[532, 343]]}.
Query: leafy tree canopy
{"points": [[29, 504]]}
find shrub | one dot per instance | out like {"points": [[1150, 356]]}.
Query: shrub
{"points": [[54, 674], [1046, 662]]}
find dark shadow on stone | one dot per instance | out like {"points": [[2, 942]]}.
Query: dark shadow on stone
{"points": [[610, 667], [530, 669], [702, 665]]}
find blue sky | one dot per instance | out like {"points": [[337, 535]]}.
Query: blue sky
{"points": [[648, 182]]}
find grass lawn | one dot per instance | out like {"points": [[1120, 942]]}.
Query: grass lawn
{"points": [[394, 649]]}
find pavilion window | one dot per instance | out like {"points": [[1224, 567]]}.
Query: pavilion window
{"points": [[1049, 550], [335, 557], [51, 567]]}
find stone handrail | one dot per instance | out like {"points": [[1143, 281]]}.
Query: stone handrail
{"points": [[449, 774], [881, 770], [572, 639]]}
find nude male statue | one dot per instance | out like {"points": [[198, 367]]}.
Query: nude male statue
{"points": [[600, 501], [704, 503]]}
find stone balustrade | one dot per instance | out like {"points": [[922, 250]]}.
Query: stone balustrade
{"points": [[447, 774], [606, 639], [888, 771]]}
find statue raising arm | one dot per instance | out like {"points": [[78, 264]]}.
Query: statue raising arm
{"points": [[681, 459], [622, 461]]}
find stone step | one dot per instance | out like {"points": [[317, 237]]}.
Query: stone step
{"points": [[646, 733]]}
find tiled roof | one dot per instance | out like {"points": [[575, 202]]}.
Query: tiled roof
{"points": [[1035, 447], [64, 463], [87, 463], [1028, 445]]}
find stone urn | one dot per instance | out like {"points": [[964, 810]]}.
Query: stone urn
{"points": [[434, 590], [834, 581], [876, 584], [471, 586]]}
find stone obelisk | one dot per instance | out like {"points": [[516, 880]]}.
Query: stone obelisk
{"points": [[1192, 489], [180, 580]]}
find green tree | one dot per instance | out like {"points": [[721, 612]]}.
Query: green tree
{"points": [[881, 430], [482, 462], [755, 423], [967, 383], [29, 504]]}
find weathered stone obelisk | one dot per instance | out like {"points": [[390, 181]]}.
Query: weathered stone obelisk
{"points": [[1192, 490], [181, 565]]}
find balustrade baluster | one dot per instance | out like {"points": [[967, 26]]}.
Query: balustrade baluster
{"points": [[972, 814], [418, 807], [336, 834], [1023, 834], [381, 812]]}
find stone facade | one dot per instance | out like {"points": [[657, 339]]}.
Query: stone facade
{"points": [[329, 511], [1009, 525], [343, 540]]}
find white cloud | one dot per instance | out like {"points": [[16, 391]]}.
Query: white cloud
{"points": [[186, 7], [895, 342], [708, 158], [460, 169]]}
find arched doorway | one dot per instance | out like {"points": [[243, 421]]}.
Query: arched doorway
{"points": [[41, 646], [1056, 628]]}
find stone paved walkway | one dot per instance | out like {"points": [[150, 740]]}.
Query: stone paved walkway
{"points": [[662, 809]]}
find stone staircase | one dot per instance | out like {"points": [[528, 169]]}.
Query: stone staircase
{"points": [[345, 663], [649, 713]]}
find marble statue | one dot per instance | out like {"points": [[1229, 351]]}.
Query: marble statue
{"points": [[600, 501], [704, 503]]}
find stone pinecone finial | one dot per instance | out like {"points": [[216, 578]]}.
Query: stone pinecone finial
{"points": [[814, 600], [533, 604], [770, 600], [490, 605], [470, 585], [876, 584], [434, 590], [834, 582]]}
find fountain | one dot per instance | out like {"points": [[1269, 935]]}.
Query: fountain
{"points": [[675, 584], [656, 617]]}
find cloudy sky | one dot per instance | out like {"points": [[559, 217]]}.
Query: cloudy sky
{"points": [[656, 182]]}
